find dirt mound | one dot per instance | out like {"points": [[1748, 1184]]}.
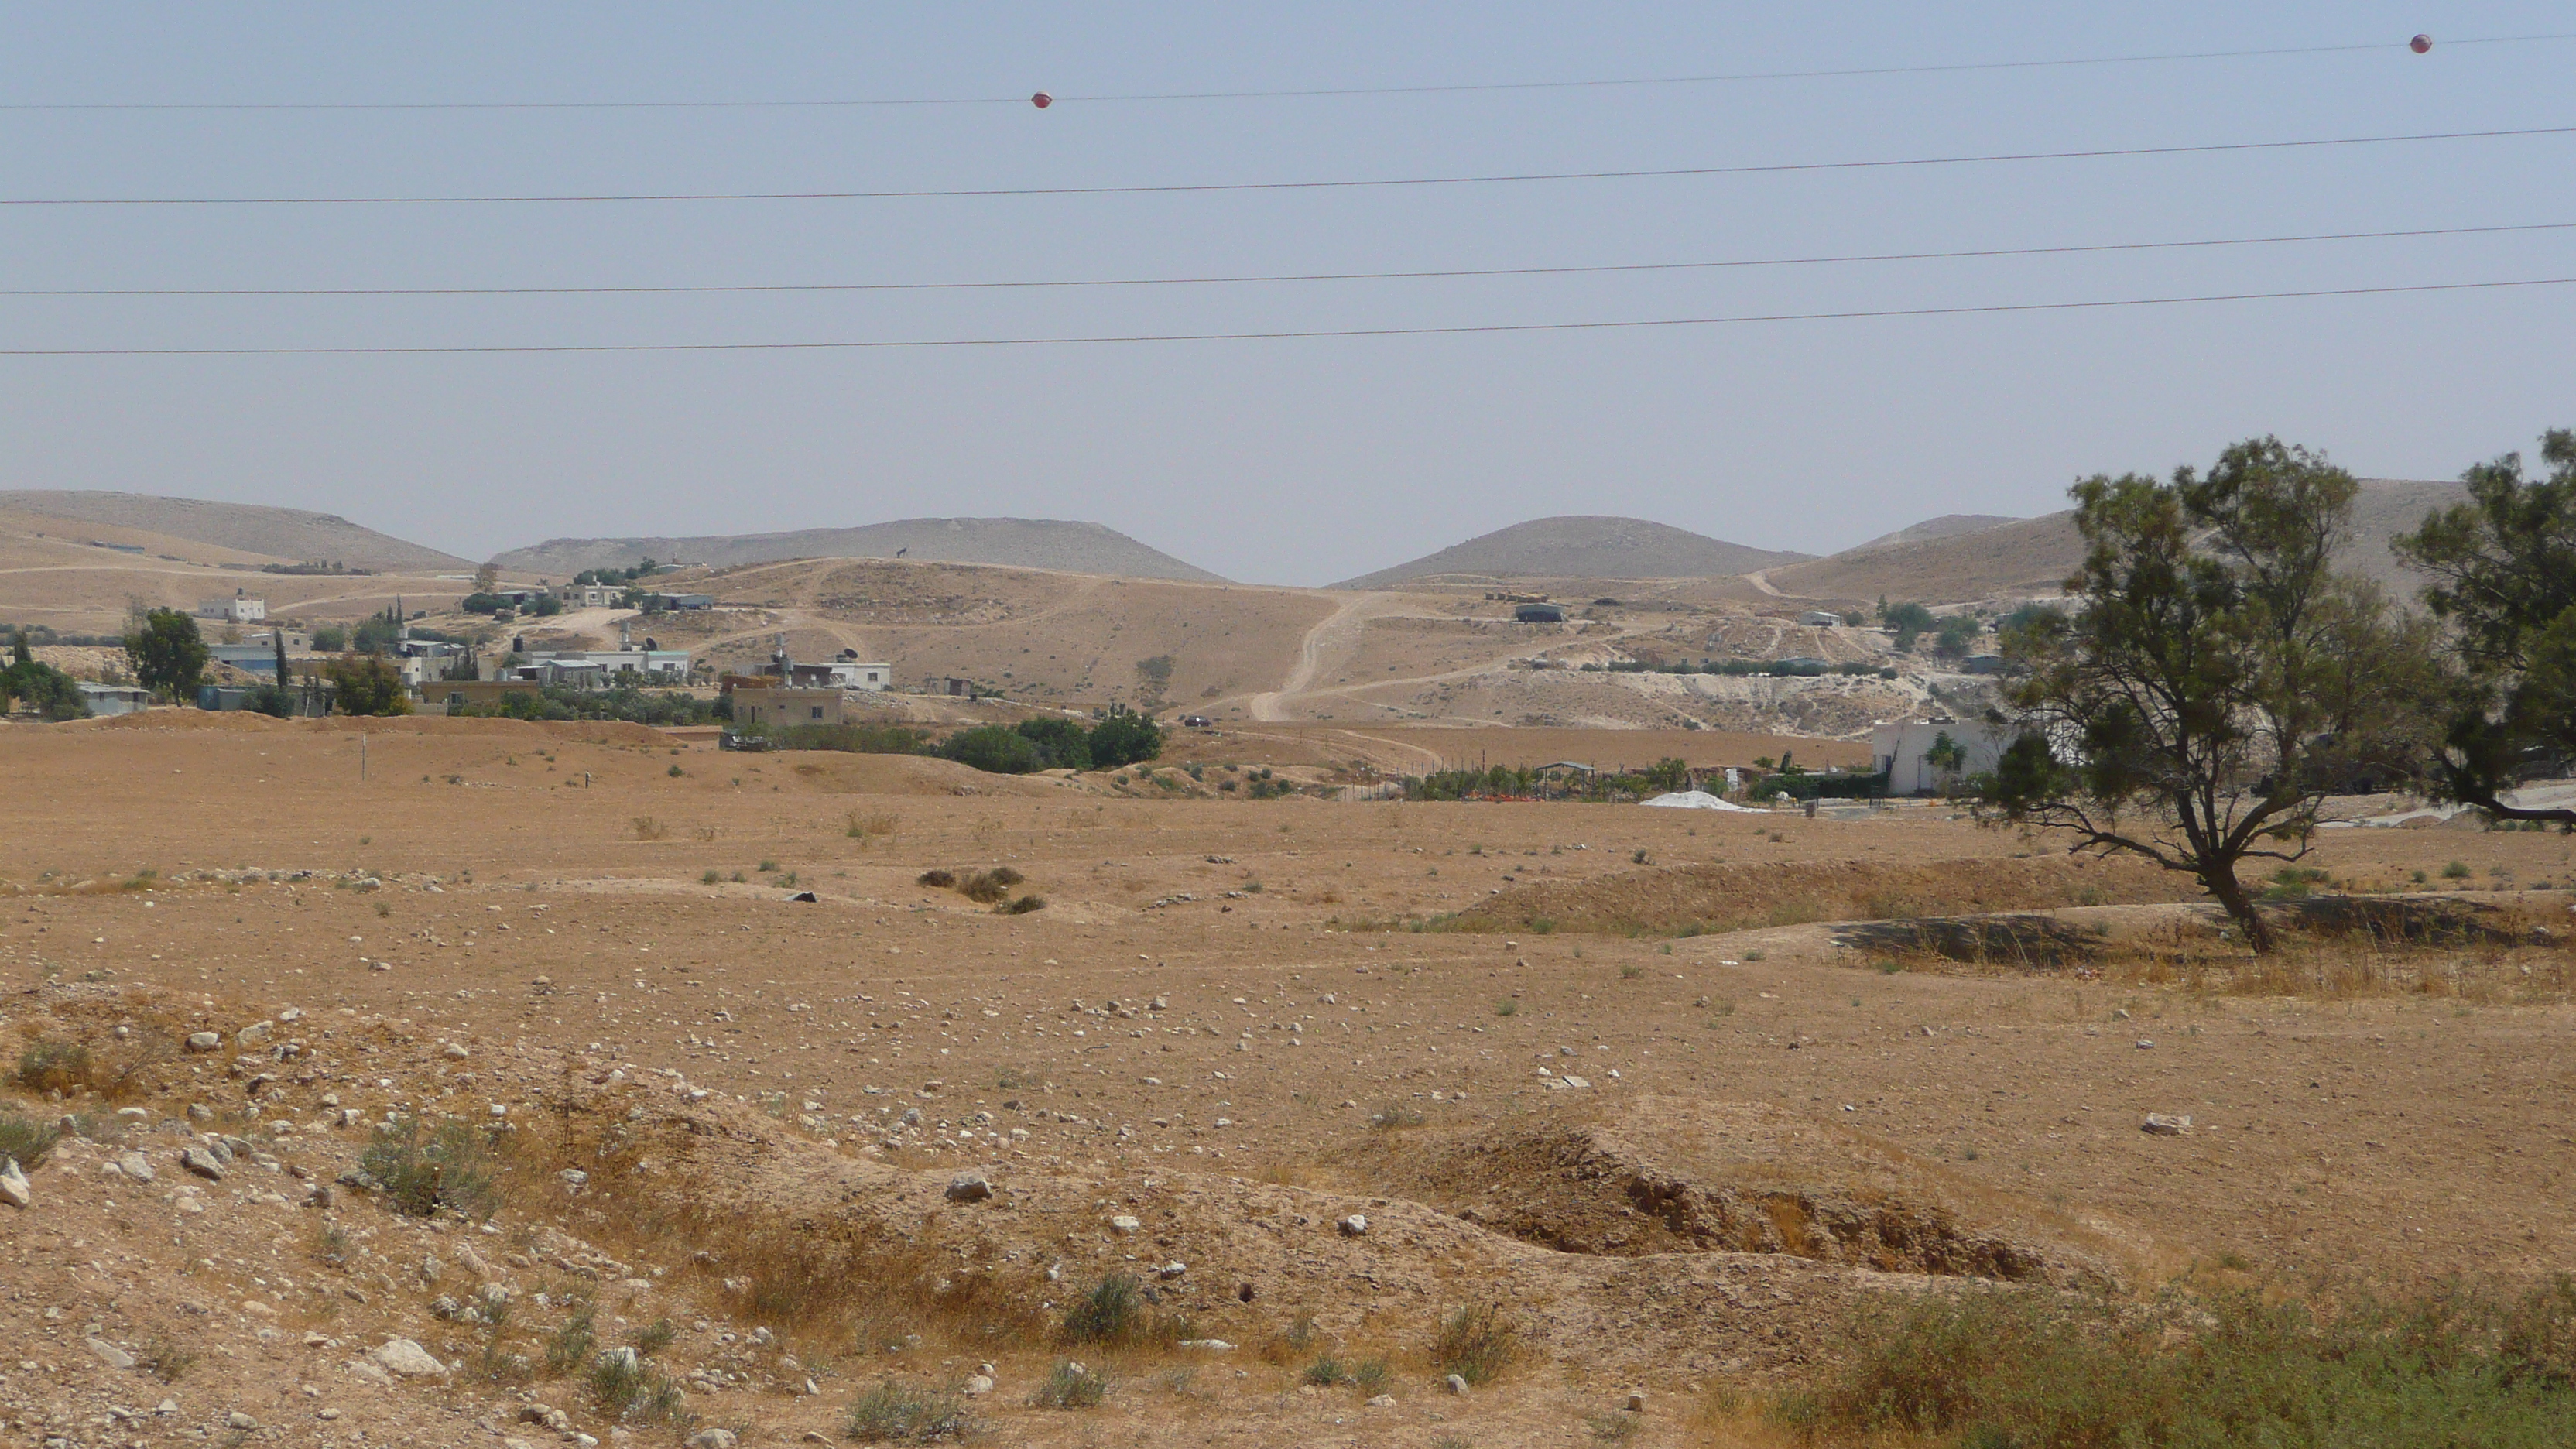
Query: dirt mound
{"points": [[1731, 897], [2026, 941], [1662, 1175], [596, 732]]}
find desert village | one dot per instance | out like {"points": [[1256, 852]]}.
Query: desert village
{"points": [[1323, 727], [894, 998]]}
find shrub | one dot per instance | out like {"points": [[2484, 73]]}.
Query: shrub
{"points": [[572, 1342], [893, 1413], [2006, 1367], [1476, 1342], [1023, 906], [1112, 1312], [649, 828], [1323, 1373], [1062, 743], [2456, 870], [993, 749], [1507, 1007], [937, 879], [449, 1168], [1124, 737], [1394, 1115], [366, 685], [54, 1066], [985, 887], [624, 1387], [26, 1140], [858, 739], [1071, 1386]]}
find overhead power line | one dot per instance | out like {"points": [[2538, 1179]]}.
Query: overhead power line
{"points": [[1316, 92], [1291, 335], [2082, 249], [1173, 188]]}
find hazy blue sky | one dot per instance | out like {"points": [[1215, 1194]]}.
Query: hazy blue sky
{"points": [[1286, 461]]}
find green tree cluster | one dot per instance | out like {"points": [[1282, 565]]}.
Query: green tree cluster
{"points": [[364, 684], [43, 688], [2504, 571]]}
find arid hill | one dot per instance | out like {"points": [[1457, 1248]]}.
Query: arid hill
{"points": [[1035, 543], [2032, 555], [288, 534], [1584, 547], [1946, 526]]}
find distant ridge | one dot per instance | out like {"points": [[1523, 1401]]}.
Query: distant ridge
{"points": [[1948, 525], [2032, 556], [1586, 547], [1039, 543], [292, 534]]}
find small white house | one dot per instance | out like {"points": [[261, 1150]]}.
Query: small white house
{"points": [[239, 609], [114, 699], [1820, 619], [1899, 750]]}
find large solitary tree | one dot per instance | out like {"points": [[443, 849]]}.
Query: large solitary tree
{"points": [[2219, 678], [2504, 580], [169, 657]]}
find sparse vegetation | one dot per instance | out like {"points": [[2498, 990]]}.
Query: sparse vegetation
{"points": [[2003, 1367], [1477, 1342], [1394, 1115], [447, 1168], [898, 1413], [25, 1140], [54, 1066], [1070, 1386]]}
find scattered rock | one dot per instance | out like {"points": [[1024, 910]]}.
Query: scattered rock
{"points": [[1124, 1224], [1170, 1271], [454, 1051], [202, 1162], [110, 1355], [969, 1187], [1636, 1401], [1354, 1225], [710, 1439], [1457, 1385], [978, 1385], [1382, 1401], [368, 1371], [134, 1165], [401, 1356], [13, 1184], [253, 1034], [2163, 1126], [1207, 1345], [2145, 1045], [204, 1041]]}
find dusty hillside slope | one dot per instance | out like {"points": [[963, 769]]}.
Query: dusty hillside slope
{"points": [[1581, 546], [292, 534], [1039, 543], [1946, 526]]}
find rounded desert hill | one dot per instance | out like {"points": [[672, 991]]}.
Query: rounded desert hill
{"points": [[1038, 543], [293, 534], [1583, 546]]}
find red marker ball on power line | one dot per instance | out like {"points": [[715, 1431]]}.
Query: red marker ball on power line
{"points": [[2420, 44], [1042, 100]]}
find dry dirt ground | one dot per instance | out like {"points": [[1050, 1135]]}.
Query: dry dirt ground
{"points": [[1676, 1162]]}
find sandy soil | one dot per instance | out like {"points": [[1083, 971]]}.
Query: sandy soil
{"points": [[1217, 1025]]}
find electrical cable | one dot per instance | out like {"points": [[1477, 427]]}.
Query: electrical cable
{"points": [[1986, 309], [1451, 273], [1323, 92], [1174, 188]]}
